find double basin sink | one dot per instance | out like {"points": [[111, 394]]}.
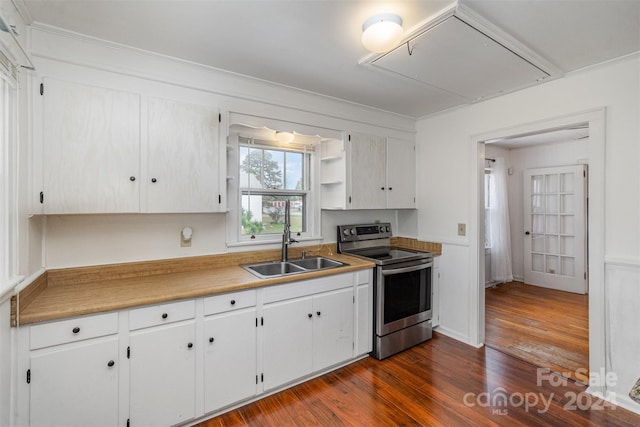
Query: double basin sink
{"points": [[270, 269]]}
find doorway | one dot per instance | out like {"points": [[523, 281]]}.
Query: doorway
{"points": [[539, 321]]}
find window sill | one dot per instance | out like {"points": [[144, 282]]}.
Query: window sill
{"points": [[271, 243]]}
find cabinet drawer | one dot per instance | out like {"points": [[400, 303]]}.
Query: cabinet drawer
{"points": [[71, 330], [231, 301], [161, 314]]}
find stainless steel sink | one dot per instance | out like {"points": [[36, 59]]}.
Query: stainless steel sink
{"points": [[266, 270], [316, 263]]}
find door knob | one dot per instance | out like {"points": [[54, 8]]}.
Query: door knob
{"points": [[527, 233]]}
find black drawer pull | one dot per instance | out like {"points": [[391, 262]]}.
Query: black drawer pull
{"points": [[190, 345], [233, 302], [211, 339], [111, 363], [154, 180], [310, 315], [76, 330], [132, 178], [165, 315], [318, 313]]}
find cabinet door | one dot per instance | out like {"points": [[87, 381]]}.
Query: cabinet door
{"points": [[229, 358], [401, 174], [332, 328], [287, 341], [91, 149], [75, 386], [182, 159], [364, 319], [367, 167], [162, 386]]}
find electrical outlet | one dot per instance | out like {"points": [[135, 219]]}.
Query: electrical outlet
{"points": [[462, 229], [185, 237]]}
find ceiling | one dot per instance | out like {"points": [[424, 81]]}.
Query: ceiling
{"points": [[314, 45]]}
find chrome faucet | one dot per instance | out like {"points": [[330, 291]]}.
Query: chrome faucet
{"points": [[286, 234]]}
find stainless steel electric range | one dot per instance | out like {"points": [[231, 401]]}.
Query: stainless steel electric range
{"points": [[402, 287]]}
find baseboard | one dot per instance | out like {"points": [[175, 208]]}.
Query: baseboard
{"points": [[623, 401], [455, 335]]}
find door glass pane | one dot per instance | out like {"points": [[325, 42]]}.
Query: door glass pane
{"points": [[566, 183], [537, 243], [566, 224], [537, 205], [537, 224], [552, 224], [551, 243], [537, 262], [567, 245], [568, 266], [552, 264], [552, 203], [536, 184], [552, 183], [566, 201]]}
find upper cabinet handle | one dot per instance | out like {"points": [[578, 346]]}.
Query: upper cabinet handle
{"points": [[132, 178], [154, 180]]}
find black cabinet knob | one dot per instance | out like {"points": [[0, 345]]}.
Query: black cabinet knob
{"points": [[318, 313], [310, 315], [165, 315], [132, 178], [390, 188], [527, 233], [382, 188], [111, 363], [233, 302], [76, 330], [190, 345], [211, 339], [154, 180]]}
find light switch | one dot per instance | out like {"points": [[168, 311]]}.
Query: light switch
{"points": [[462, 229]]}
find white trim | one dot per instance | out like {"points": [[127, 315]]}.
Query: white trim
{"points": [[455, 335], [597, 311], [622, 261], [623, 401]]}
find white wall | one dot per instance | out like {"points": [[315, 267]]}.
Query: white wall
{"points": [[448, 137]]}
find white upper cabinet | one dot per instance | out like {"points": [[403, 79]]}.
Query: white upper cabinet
{"points": [[115, 144], [91, 149], [182, 147], [368, 172], [401, 174]]}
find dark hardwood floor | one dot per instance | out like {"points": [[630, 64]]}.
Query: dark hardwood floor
{"points": [[546, 327], [441, 382]]}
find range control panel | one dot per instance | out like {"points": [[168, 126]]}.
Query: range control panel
{"points": [[358, 232]]}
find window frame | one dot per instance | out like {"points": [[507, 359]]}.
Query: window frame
{"points": [[309, 217], [9, 277]]}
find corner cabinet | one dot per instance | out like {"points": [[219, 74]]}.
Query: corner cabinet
{"points": [[181, 362], [108, 143], [368, 172]]}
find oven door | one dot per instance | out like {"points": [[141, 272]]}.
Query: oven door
{"points": [[403, 295]]}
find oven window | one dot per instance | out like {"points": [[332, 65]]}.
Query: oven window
{"points": [[406, 294]]}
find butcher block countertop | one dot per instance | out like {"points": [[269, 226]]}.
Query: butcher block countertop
{"points": [[68, 292]]}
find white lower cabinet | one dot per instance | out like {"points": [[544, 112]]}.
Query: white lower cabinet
{"points": [[171, 364], [162, 365], [75, 386], [230, 359], [308, 333], [287, 341]]}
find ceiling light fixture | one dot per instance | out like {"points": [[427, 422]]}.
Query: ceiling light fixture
{"points": [[284, 136], [382, 32]]}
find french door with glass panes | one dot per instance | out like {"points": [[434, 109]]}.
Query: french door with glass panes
{"points": [[555, 244]]}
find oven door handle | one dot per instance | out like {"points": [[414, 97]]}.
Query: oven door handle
{"points": [[406, 269]]}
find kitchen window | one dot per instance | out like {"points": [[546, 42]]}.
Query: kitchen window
{"points": [[268, 177], [8, 174]]}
